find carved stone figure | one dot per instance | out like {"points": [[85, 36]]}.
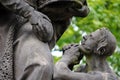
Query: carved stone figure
{"points": [[96, 47], [27, 35]]}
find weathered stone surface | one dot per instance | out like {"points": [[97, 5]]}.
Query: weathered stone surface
{"points": [[28, 33], [96, 47]]}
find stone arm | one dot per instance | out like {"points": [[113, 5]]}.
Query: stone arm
{"points": [[70, 56], [62, 72], [42, 26]]}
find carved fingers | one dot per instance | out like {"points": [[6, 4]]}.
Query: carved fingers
{"points": [[72, 52], [69, 46], [42, 26]]}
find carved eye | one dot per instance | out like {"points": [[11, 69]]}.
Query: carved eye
{"points": [[90, 35]]}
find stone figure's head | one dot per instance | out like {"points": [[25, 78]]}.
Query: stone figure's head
{"points": [[101, 42], [61, 8]]}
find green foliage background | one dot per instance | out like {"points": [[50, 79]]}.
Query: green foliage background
{"points": [[103, 13]]}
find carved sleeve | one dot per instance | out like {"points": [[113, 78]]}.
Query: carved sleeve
{"points": [[20, 7]]}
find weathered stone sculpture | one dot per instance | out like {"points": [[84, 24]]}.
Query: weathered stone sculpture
{"points": [[96, 47], [27, 35]]}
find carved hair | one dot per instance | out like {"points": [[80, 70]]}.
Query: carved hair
{"points": [[108, 39]]}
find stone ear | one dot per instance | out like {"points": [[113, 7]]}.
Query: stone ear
{"points": [[101, 48]]}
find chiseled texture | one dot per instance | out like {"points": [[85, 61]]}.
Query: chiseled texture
{"points": [[98, 45], [40, 22], [27, 35]]}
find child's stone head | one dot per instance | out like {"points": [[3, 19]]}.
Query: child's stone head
{"points": [[100, 42]]}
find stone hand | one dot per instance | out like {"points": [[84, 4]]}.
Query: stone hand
{"points": [[42, 26], [83, 50], [73, 54]]}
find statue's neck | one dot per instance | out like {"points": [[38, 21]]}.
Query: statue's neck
{"points": [[97, 63]]}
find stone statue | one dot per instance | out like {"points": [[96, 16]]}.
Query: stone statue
{"points": [[27, 35], [96, 47]]}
